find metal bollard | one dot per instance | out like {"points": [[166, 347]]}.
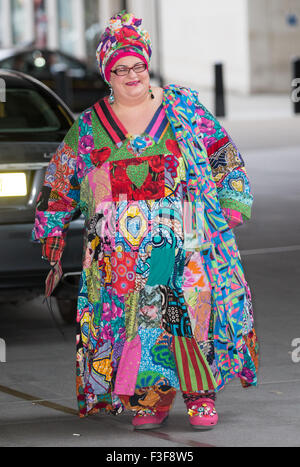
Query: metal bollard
{"points": [[219, 91], [296, 83]]}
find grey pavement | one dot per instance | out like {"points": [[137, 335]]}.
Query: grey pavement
{"points": [[37, 383]]}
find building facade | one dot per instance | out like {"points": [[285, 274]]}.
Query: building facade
{"points": [[256, 40]]}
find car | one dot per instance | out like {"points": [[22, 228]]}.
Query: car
{"points": [[33, 122], [80, 86]]}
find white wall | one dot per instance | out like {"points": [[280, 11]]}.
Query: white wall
{"points": [[5, 24], [200, 33], [273, 43], [146, 9]]}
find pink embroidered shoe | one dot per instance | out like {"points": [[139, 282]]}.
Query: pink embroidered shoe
{"points": [[149, 419], [202, 414]]}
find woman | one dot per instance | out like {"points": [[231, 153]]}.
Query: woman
{"points": [[163, 303]]}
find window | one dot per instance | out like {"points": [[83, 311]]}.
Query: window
{"points": [[92, 30], [27, 111], [33, 63], [1, 27], [69, 63], [18, 14], [66, 27]]}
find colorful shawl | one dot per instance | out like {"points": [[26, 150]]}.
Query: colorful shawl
{"points": [[235, 353]]}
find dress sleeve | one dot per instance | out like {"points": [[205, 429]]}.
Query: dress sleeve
{"points": [[59, 197], [228, 168]]}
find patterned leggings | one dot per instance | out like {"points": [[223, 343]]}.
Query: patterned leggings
{"points": [[160, 398]]}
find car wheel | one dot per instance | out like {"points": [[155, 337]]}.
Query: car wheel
{"points": [[67, 309]]}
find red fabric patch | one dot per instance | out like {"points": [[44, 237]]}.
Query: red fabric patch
{"points": [[173, 147], [52, 248], [123, 265], [99, 156], [217, 145], [153, 186]]}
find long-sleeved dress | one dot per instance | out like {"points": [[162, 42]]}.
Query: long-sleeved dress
{"points": [[145, 314]]}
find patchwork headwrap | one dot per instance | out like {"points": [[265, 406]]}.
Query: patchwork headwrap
{"points": [[123, 36]]}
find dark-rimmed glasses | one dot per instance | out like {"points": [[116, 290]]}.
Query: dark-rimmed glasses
{"points": [[125, 70]]}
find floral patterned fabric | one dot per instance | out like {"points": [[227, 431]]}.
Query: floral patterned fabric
{"points": [[124, 35], [145, 315]]}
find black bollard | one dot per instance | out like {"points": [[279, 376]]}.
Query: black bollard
{"points": [[296, 84], [124, 5], [219, 91]]}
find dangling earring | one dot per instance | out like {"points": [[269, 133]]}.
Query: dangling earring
{"points": [[151, 92], [111, 98]]}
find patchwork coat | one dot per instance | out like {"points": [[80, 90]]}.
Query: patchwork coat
{"points": [[163, 299]]}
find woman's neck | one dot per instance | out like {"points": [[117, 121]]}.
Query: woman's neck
{"points": [[136, 116], [123, 105]]}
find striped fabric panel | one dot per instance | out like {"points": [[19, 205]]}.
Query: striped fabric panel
{"points": [[116, 130], [158, 125], [217, 145], [110, 122], [193, 370], [53, 278]]}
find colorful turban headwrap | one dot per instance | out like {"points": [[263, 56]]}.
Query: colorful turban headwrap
{"points": [[124, 36]]}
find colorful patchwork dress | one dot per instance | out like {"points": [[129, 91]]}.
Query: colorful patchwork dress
{"points": [[163, 304]]}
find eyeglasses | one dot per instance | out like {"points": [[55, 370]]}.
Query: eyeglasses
{"points": [[125, 70]]}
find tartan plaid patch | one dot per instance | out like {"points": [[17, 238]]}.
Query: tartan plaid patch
{"points": [[52, 248]]}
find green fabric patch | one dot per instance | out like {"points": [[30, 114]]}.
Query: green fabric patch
{"points": [[138, 173], [244, 209], [131, 315], [93, 283], [72, 137], [148, 378], [162, 264]]}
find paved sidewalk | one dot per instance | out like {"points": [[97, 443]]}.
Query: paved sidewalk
{"points": [[259, 120]]}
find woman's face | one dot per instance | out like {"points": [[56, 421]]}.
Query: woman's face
{"points": [[133, 86]]}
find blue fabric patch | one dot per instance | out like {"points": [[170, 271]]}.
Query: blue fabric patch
{"points": [[157, 356]]}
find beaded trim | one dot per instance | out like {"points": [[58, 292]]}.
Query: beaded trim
{"points": [[146, 413]]}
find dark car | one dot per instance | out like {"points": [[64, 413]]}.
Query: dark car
{"points": [[79, 85], [33, 122]]}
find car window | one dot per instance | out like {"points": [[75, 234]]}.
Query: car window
{"points": [[34, 63], [7, 63], [64, 60], [27, 111], [72, 66], [42, 64]]}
